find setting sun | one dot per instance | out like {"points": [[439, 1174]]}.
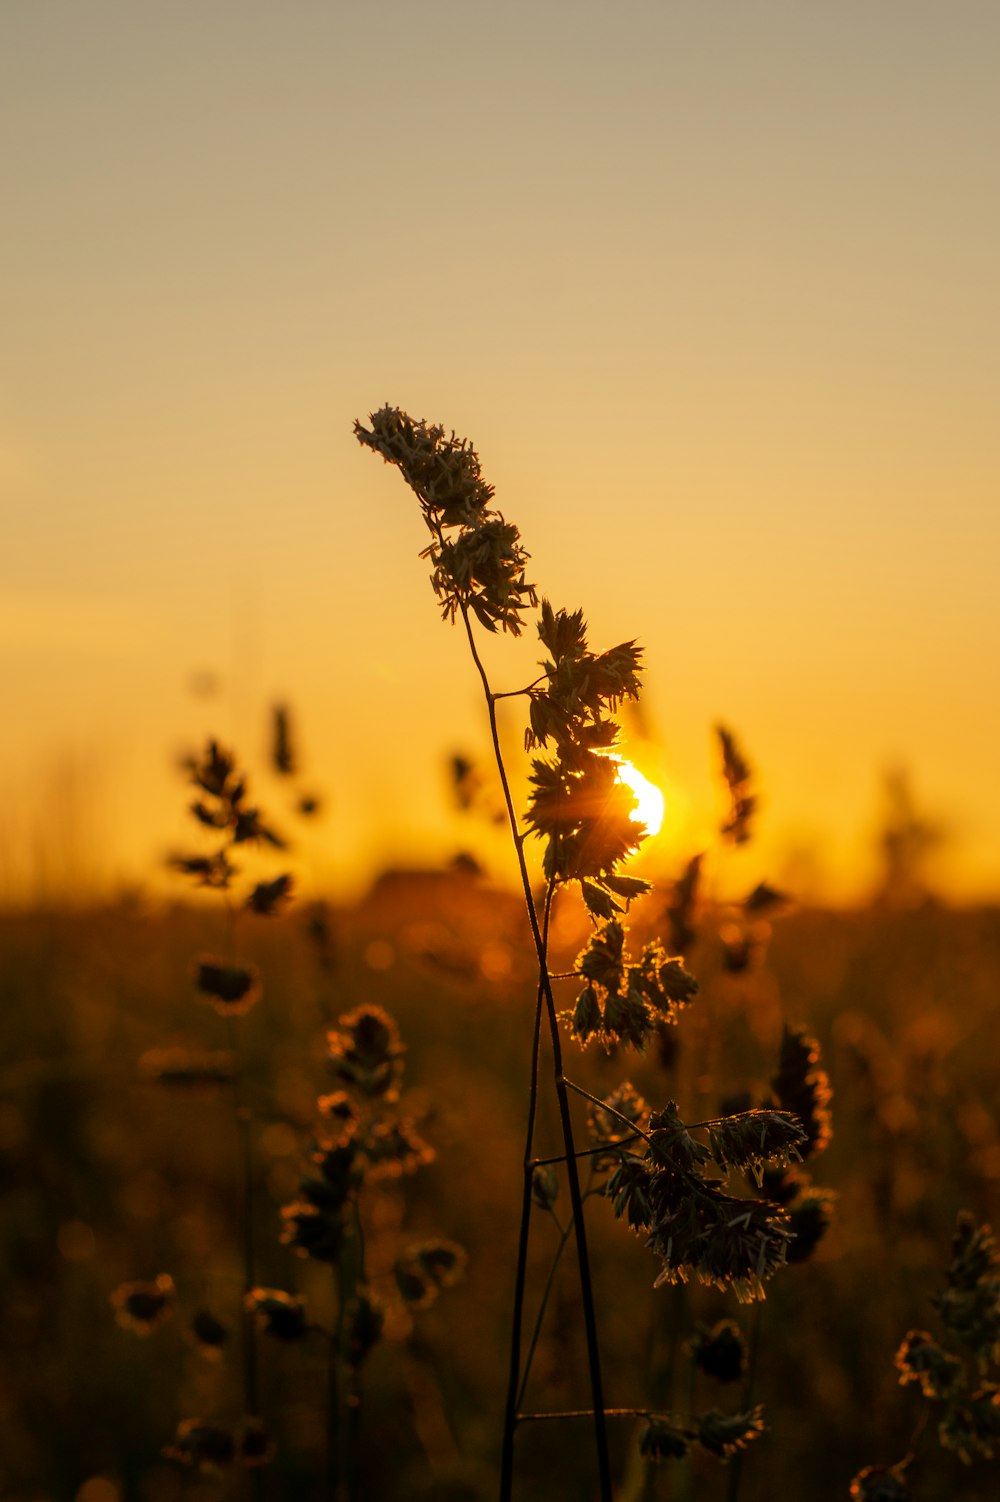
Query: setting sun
{"points": [[650, 802]]}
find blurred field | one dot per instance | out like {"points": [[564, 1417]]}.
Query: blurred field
{"points": [[107, 1176]]}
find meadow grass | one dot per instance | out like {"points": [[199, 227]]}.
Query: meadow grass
{"points": [[676, 1182], [209, 1142], [109, 1177]]}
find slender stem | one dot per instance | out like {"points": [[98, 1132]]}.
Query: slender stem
{"points": [[563, 1230], [588, 1413], [588, 1152], [920, 1428], [352, 1437], [251, 1382], [737, 1462], [520, 1277], [243, 1118], [576, 1199], [564, 1234], [518, 693], [518, 837], [536, 1332], [637, 1131], [583, 1257], [679, 1311], [333, 1400]]}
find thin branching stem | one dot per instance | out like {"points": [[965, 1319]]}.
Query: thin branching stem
{"points": [[573, 1177], [508, 799], [748, 1386], [588, 1152], [588, 1413], [519, 693], [635, 1131], [565, 1232], [919, 1430]]}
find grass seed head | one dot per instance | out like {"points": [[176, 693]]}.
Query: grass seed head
{"points": [[390, 1149], [720, 1352], [143, 1307], [802, 1086], [269, 897], [339, 1120], [277, 1313], [202, 1446], [921, 1360], [665, 1438], [232, 989], [737, 776], [725, 1434], [481, 567], [364, 1052], [312, 1230], [879, 1483], [364, 1323], [810, 1216], [970, 1302], [255, 1446], [283, 758], [682, 907], [545, 1186], [972, 1428], [605, 1126], [209, 1334], [423, 1271]]}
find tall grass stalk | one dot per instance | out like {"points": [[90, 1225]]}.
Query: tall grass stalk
{"points": [[544, 1000], [233, 987], [697, 1223]]}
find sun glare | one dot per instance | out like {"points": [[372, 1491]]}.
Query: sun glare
{"points": [[650, 800]]}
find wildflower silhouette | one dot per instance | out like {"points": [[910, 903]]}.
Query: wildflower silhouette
{"points": [[953, 1380], [584, 816], [143, 1307], [361, 1139], [221, 807]]}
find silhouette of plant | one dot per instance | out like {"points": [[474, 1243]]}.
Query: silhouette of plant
{"points": [[360, 1138], [953, 1378], [676, 1185]]}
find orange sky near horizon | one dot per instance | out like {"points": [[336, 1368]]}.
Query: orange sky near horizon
{"points": [[713, 291]]}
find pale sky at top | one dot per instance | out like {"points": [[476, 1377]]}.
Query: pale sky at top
{"points": [[711, 286]]}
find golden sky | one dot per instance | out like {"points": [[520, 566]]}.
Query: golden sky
{"points": [[712, 287]]}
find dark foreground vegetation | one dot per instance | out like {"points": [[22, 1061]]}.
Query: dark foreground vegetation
{"points": [[119, 1164]]}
